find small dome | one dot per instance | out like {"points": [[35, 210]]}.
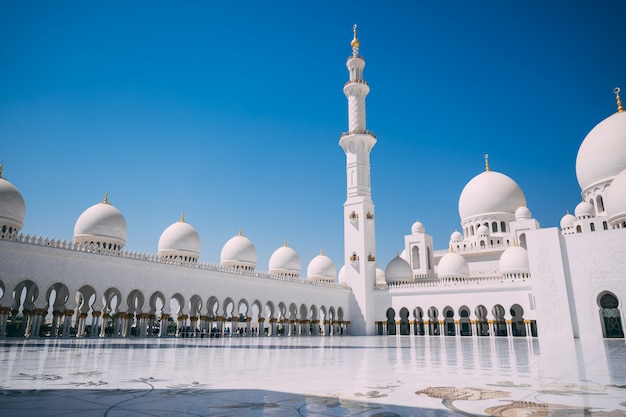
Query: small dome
{"points": [[584, 209], [101, 223], [12, 207], [380, 276], [453, 265], [456, 236], [239, 252], [523, 213], [616, 200], [341, 277], [602, 155], [398, 271], [567, 221], [418, 227], [490, 192], [514, 260], [180, 240], [285, 261], [321, 268], [482, 230]]}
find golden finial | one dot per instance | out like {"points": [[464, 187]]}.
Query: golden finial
{"points": [[321, 251], [620, 108], [285, 242], [355, 41], [106, 198], [0, 170], [240, 231], [487, 162], [451, 248], [182, 216]]}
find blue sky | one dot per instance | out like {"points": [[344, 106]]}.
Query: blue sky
{"points": [[232, 111]]}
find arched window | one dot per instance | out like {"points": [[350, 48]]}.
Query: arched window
{"points": [[503, 227], [592, 227], [600, 204], [428, 258], [494, 227], [579, 229], [471, 230], [605, 225], [611, 320], [415, 258], [522, 240]]}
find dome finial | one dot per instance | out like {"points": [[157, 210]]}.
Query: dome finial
{"points": [[106, 198], [487, 162], [182, 216], [321, 251], [0, 170], [451, 248], [620, 108], [285, 242], [240, 231], [355, 42]]}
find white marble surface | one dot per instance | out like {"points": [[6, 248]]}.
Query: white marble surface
{"points": [[311, 376]]}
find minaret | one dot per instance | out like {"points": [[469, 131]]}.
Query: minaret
{"points": [[359, 236]]}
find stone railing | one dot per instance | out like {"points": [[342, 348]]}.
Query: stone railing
{"points": [[465, 283], [96, 249]]}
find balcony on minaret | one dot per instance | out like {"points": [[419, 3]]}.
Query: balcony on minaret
{"points": [[354, 217], [354, 259], [369, 216], [371, 258]]}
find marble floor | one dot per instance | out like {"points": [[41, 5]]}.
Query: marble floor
{"points": [[312, 376]]}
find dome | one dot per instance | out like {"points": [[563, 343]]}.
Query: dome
{"points": [[514, 260], [616, 200], [341, 277], [101, 223], [380, 276], [321, 268], [418, 227], [239, 252], [584, 209], [398, 271], [12, 207], [523, 213], [285, 261], [602, 155], [456, 236], [180, 240], [490, 192], [453, 265], [567, 221], [482, 230]]}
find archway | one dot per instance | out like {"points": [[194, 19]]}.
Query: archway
{"points": [[499, 324], [482, 325], [391, 322], [518, 328], [433, 321], [418, 325], [465, 325], [448, 314], [405, 327]]}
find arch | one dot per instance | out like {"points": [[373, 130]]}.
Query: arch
{"points": [[85, 298], [429, 258], [156, 302], [611, 320], [579, 229], [391, 321], [465, 324], [405, 327], [494, 227], [518, 328], [433, 321], [522, 240], [418, 323], [448, 321], [499, 324], [212, 307], [482, 324], [599, 204], [415, 257], [195, 305], [135, 301], [503, 227]]}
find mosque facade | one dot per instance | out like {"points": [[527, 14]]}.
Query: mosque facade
{"points": [[500, 275]]}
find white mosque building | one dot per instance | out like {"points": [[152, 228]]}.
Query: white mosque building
{"points": [[501, 275]]}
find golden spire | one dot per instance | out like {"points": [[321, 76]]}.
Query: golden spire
{"points": [[620, 108], [0, 170], [240, 231], [355, 41], [487, 162], [451, 249], [106, 198], [182, 216], [285, 242], [321, 251]]}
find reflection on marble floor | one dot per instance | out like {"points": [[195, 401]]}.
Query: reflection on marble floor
{"points": [[348, 376]]}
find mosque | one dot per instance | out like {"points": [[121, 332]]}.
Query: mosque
{"points": [[502, 275]]}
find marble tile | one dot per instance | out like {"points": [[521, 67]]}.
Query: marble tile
{"points": [[312, 376]]}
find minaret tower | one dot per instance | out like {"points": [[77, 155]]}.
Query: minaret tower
{"points": [[359, 237]]}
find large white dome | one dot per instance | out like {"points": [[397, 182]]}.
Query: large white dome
{"points": [[453, 265], [101, 223], [180, 240], [12, 207], [616, 200], [321, 268], [490, 193], [398, 271], [514, 260], [602, 155], [240, 252], [285, 261]]}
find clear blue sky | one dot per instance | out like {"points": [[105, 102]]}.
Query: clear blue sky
{"points": [[232, 112]]}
